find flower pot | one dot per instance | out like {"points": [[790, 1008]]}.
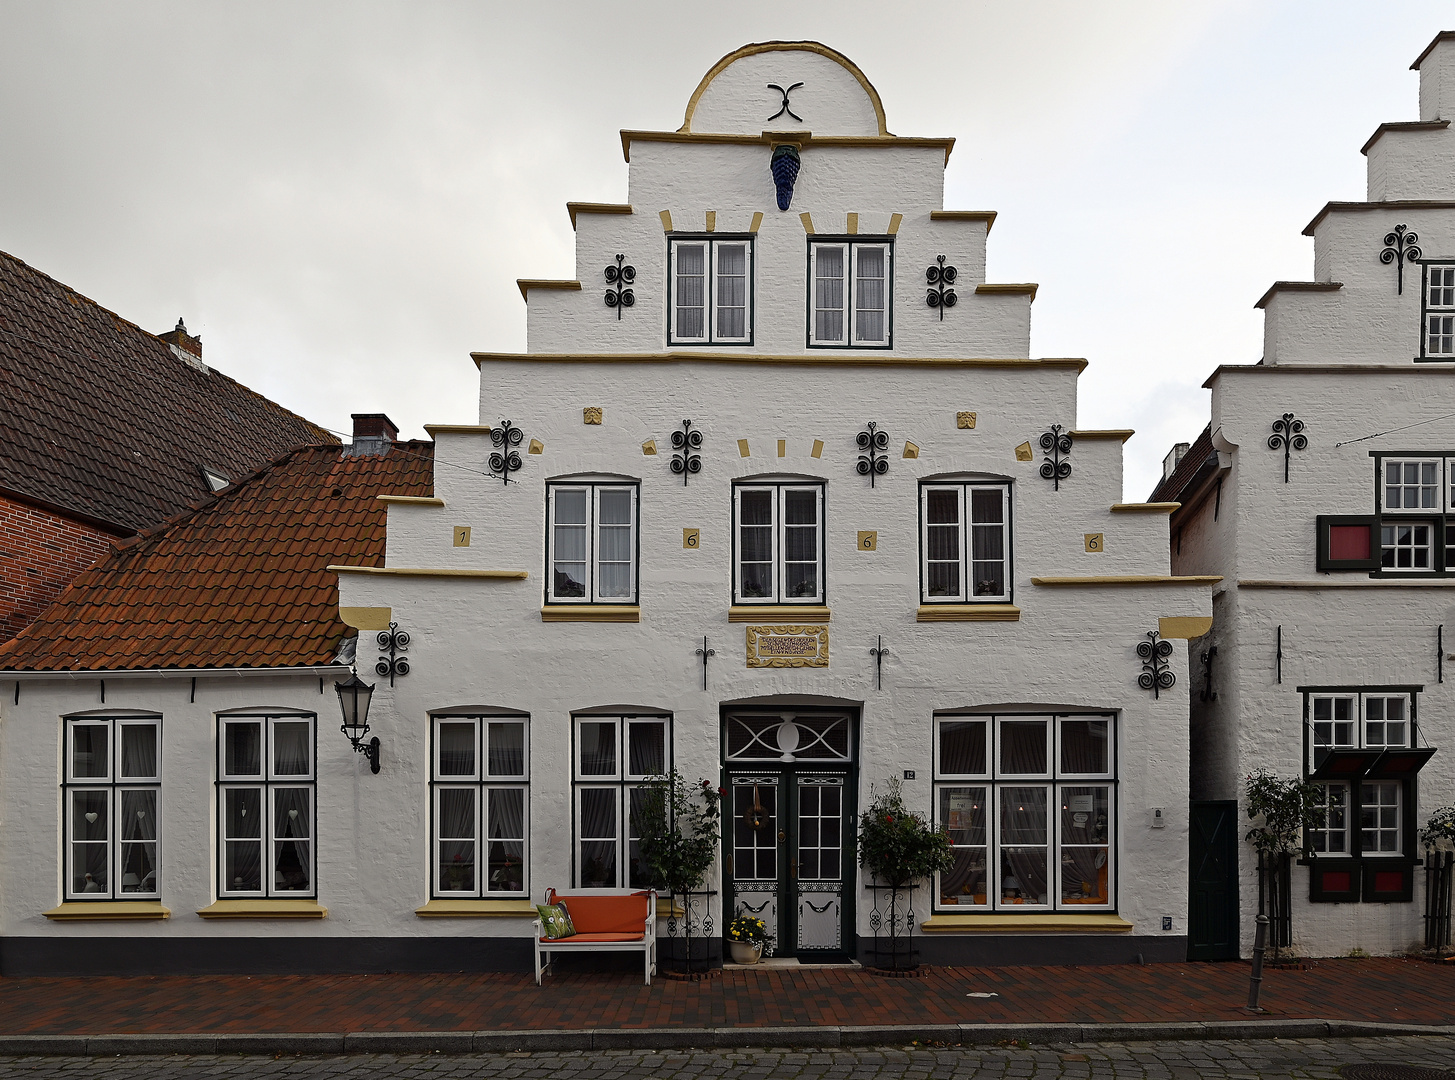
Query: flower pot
{"points": [[746, 952]]}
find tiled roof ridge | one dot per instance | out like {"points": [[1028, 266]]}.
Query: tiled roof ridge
{"points": [[1169, 488]]}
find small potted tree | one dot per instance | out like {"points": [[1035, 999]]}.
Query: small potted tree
{"points": [[898, 848], [677, 826], [1286, 810]]}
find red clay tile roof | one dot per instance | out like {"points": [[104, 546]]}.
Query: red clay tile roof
{"points": [[103, 420], [1171, 488], [242, 581]]}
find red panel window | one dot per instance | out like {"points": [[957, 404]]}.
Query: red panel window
{"points": [[1347, 542], [1385, 881], [1337, 881]]}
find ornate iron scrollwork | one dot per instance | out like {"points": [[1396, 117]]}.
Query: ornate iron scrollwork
{"points": [[705, 653], [1400, 246], [1156, 676], [505, 459], [873, 460], [1287, 436], [396, 641], [685, 444], [785, 108], [1057, 444], [879, 652], [621, 277], [940, 278]]}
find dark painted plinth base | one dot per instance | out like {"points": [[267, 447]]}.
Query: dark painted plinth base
{"points": [[259, 955], [1039, 950]]}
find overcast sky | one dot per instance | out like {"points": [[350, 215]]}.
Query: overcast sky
{"points": [[339, 196]]}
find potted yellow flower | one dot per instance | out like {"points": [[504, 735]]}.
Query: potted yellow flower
{"points": [[747, 936]]}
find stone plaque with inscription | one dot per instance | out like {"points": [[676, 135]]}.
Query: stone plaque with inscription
{"points": [[788, 646]]}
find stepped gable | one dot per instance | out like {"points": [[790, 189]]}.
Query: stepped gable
{"points": [[106, 422], [241, 581]]}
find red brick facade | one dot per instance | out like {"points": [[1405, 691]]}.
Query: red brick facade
{"points": [[40, 553]]}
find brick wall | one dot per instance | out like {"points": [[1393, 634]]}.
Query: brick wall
{"points": [[40, 553]]}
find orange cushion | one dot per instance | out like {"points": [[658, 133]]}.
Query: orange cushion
{"points": [[606, 914], [593, 937]]}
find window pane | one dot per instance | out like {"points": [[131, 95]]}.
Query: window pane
{"points": [[242, 826], [138, 751], [614, 543], [732, 290], [507, 748], [90, 831], [691, 290], [987, 542], [637, 875], [962, 747], [138, 828], [568, 540], [800, 543], [964, 882], [828, 293], [962, 814], [869, 294], [243, 748], [1331, 835], [291, 749], [89, 753], [647, 748], [456, 827], [1023, 866], [1379, 817], [755, 543], [598, 747], [1022, 747], [598, 838], [506, 832], [1084, 746], [1085, 815], [457, 748], [292, 831], [942, 542]]}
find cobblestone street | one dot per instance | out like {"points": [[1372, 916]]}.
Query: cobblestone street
{"points": [[1264, 1058]]}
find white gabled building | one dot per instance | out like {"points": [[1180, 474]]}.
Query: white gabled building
{"points": [[1323, 493], [779, 453]]}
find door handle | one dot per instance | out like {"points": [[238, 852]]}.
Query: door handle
{"points": [[793, 869], [782, 836]]}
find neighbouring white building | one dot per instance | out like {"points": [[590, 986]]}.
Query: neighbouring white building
{"points": [[1323, 494], [776, 497]]}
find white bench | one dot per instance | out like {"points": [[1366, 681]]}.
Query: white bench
{"points": [[616, 920]]}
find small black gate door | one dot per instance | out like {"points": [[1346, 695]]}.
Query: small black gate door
{"points": [[1212, 909]]}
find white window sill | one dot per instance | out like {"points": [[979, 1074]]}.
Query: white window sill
{"points": [[98, 910], [264, 909]]}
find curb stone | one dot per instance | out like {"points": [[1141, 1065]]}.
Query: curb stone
{"points": [[802, 1037]]}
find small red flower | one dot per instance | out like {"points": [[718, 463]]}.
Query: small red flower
{"points": [[722, 791], [889, 819]]}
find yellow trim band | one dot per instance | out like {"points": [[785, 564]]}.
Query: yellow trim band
{"points": [[477, 909], [808, 359], [410, 500], [574, 208], [1129, 579], [1099, 923], [366, 618], [399, 571], [457, 429], [1119, 434], [264, 909], [768, 613], [967, 613], [1184, 627], [796, 138], [108, 910], [599, 613], [1145, 508], [987, 216], [1022, 289], [526, 284]]}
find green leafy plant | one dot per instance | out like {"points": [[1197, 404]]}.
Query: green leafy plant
{"points": [[1289, 809], [749, 929], [897, 846], [1439, 831], [677, 823]]}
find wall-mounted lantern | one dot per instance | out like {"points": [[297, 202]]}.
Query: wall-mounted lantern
{"points": [[353, 700]]}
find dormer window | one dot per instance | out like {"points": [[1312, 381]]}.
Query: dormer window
{"points": [[850, 290], [711, 291]]}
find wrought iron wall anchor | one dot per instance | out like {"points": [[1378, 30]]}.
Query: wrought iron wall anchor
{"points": [[1057, 444], [1400, 247], [940, 278], [685, 443], [1156, 676], [705, 652], [505, 459], [879, 654], [1287, 436], [621, 277], [784, 166], [396, 641], [785, 108], [1208, 693], [873, 461]]}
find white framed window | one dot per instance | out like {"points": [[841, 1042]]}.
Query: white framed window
{"points": [[964, 542], [711, 287], [1386, 720], [1412, 485], [1406, 546], [1330, 836], [481, 803], [778, 544], [266, 804], [1439, 312], [111, 800], [1380, 803], [591, 543], [615, 760], [850, 289], [1028, 803]]}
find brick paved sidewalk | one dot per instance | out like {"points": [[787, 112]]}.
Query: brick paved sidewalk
{"points": [[1372, 990]]}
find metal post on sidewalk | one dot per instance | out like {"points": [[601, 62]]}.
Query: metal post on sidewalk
{"points": [[1255, 981]]}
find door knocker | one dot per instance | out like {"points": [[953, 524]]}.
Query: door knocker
{"points": [[755, 816]]}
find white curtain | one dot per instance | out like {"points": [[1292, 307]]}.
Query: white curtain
{"points": [[506, 814], [138, 839], [691, 290], [828, 293], [869, 294], [290, 748], [457, 748], [243, 752], [138, 750], [507, 748], [569, 542], [614, 543], [456, 827], [599, 822], [732, 290], [292, 831], [242, 810]]}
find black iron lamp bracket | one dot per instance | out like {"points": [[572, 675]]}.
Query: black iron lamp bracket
{"points": [[1287, 436], [620, 278], [939, 278], [369, 749], [505, 458], [1056, 444], [879, 652], [686, 461], [1156, 676], [873, 455], [396, 641], [1400, 246], [705, 653]]}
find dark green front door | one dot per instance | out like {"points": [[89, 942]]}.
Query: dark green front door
{"points": [[1212, 909]]}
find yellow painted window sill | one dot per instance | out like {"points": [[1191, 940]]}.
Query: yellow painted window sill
{"points": [[476, 909], [775, 613], [591, 613], [82, 911], [968, 613], [1099, 923], [410, 500], [1145, 508], [265, 909]]}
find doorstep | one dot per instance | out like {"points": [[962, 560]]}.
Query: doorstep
{"points": [[781, 962]]}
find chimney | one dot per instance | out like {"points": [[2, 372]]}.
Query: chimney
{"points": [[374, 434], [1436, 66], [183, 340], [1174, 459]]}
